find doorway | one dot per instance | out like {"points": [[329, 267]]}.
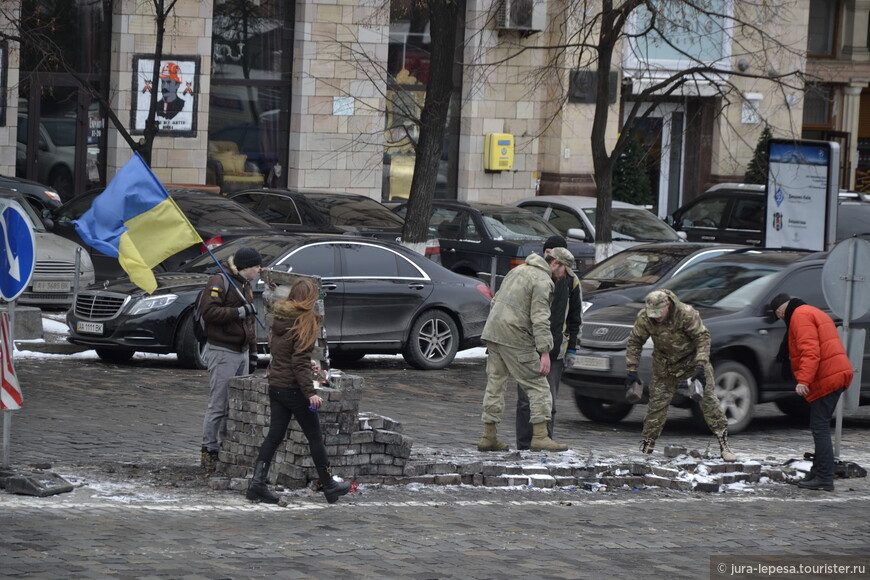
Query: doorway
{"points": [[61, 138]]}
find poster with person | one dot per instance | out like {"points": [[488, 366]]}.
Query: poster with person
{"points": [[177, 94]]}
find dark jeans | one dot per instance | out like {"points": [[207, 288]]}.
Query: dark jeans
{"points": [[821, 411], [286, 404]]}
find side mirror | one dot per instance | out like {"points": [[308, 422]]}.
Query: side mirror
{"points": [[577, 234]]}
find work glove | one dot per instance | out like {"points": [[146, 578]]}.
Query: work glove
{"points": [[247, 309], [631, 378], [252, 363], [700, 376]]}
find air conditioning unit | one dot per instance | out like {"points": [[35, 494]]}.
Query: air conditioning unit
{"points": [[527, 15]]}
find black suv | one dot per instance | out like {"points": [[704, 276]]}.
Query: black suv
{"points": [[732, 293], [733, 213], [323, 212], [478, 239]]}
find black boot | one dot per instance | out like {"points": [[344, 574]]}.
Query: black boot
{"points": [[257, 489], [333, 489]]}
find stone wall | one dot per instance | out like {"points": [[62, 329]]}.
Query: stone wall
{"points": [[364, 447]]}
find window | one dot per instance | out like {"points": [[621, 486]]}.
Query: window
{"points": [[748, 214], [364, 261], [822, 28], [250, 84], [818, 101], [316, 260], [705, 214]]}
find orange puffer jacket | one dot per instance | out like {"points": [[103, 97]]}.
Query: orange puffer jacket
{"points": [[818, 358]]}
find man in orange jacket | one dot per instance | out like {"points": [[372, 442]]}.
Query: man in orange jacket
{"points": [[822, 371]]}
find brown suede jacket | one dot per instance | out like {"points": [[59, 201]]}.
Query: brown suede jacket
{"points": [[290, 368]]}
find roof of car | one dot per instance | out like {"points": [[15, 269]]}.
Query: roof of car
{"points": [[581, 201], [478, 205], [303, 193]]}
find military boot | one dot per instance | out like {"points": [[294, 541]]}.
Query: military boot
{"points": [[724, 449], [647, 445], [334, 489], [489, 441], [541, 440], [258, 490]]}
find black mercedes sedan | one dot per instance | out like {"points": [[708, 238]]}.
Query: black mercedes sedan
{"points": [[380, 298]]}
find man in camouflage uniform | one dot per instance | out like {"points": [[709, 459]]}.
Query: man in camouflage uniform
{"points": [[681, 350], [518, 340]]}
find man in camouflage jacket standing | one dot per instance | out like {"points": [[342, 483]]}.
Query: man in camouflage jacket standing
{"points": [[681, 350], [518, 340]]}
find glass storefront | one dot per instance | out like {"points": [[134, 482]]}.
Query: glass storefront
{"points": [[408, 68], [250, 94]]}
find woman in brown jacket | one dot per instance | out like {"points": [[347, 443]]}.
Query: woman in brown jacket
{"points": [[291, 390]]}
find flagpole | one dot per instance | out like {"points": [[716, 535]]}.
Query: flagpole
{"points": [[233, 284]]}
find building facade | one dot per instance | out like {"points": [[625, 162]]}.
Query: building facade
{"points": [[325, 95]]}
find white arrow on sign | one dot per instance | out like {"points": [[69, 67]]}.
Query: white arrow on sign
{"points": [[14, 268]]}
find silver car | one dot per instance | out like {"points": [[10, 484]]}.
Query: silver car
{"points": [[54, 272], [631, 224]]}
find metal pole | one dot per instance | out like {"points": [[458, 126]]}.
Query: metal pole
{"points": [[492, 274], [7, 430], [847, 316]]}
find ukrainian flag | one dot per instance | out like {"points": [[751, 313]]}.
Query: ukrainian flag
{"points": [[136, 221]]}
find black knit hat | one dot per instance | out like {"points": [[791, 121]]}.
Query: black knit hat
{"points": [[555, 242], [779, 300], [246, 257]]}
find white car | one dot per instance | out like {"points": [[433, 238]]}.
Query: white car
{"points": [[631, 224], [53, 282]]}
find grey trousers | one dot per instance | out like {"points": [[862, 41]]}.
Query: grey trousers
{"points": [[524, 425], [223, 365]]}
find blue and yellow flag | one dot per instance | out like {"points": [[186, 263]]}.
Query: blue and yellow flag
{"points": [[136, 221]]}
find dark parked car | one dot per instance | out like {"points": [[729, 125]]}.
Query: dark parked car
{"points": [[632, 273], [479, 238], [630, 224], [308, 211], [733, 213], [216, 219], [380, 298], [39, 196], [732, 293]]}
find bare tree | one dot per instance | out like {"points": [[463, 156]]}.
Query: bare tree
{"points": [[38, 32]]}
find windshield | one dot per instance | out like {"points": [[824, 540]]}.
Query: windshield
{"points": [[270, 249], [209, 211], [728, 285], [630, 224], [516, 225], [631, 267], [346, 210], [30, 216]]}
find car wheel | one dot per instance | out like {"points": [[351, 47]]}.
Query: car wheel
{"points": [[602, 411], [795, 407], [432, 342], [737, 392], [114, 355], [191, 354]]}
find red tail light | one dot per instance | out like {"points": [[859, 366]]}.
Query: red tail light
{"points": [[514, 262], [484, 289], [433, 248], [214, 242]]}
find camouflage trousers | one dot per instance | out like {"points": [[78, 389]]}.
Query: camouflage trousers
{"points": [[662, 390], [523, 365]]}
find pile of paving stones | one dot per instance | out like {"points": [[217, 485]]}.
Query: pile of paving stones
{"points": [[364, 447], [373, 449]]}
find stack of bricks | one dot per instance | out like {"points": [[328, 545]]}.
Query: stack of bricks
{"points": [[365, 447]]}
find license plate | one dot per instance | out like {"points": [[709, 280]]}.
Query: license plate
{"points": [[592, 363], [90, 327], [51, 286]]}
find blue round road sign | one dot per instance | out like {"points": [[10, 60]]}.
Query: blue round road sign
{"points": [[17, 253]]}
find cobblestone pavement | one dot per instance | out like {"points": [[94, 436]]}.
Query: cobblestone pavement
{"points": [[127, 436]]}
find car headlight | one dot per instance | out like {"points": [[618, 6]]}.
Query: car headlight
{"points": [[152, 303]]}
